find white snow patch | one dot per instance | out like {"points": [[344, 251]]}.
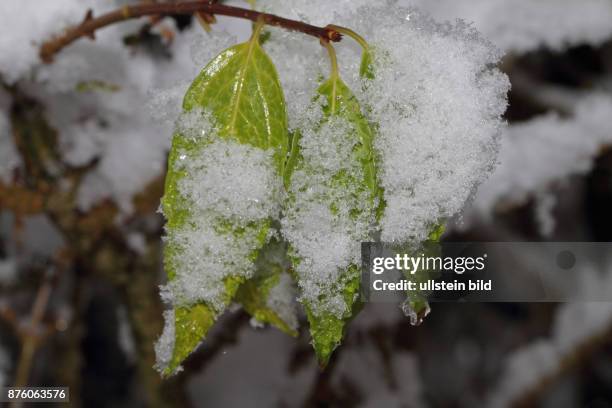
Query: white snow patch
{"points": [[234, 180], [437, 100], [575, 325], [165, 344], [547, 149], [525, 25], [228, 186], [524, 368], [26, 24], [325, 223]]}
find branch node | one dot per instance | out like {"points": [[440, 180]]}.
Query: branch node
{"points": [[333, 35], [91, 34], [88, 16]]}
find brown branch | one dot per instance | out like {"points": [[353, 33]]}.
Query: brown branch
{"points": [[573, 360], [31, 337], [89, 26]]}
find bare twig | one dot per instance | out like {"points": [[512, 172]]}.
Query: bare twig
{"points": [[35, 331], [31, 336], [89, 26], [574, 359]]}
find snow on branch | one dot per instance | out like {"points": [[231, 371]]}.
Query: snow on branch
{"points": [[547, 149], [524, 25]]}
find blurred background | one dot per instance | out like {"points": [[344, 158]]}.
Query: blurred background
{"points": [[81, 176]]}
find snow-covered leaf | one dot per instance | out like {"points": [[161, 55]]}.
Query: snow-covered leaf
{"points": [[330, 303], [270, 295], [222, 189]]}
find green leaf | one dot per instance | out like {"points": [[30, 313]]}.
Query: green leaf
{"points": [[366, 69], [436, 232], [241, 90], [340, 101], [293, 158], [254, 294], [327, 330], [191, 324]]}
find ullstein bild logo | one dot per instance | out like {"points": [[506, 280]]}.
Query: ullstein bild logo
{"points": [[481, 271]]}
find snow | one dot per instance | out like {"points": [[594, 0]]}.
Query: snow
{"points": [[519, 26], [524, 25], [112, 124], [116, 127], [317, 12], [164, 347], [525, 367], [325, 224], [436, 97], [29, 23], [575, 325], [437, 102], [120, 113], [547, 149], [545, 205], [237, 181], [226, 183]]}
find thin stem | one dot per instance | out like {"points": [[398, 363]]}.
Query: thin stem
{"points": [[347, 31], [88, 27], [31, 337], [33, 333], [334, 76], [259, 25], [332, 58]]}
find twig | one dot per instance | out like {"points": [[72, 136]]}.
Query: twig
{"points": [[89, 26], [35, 331], [31, 337], [569, 362]]}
